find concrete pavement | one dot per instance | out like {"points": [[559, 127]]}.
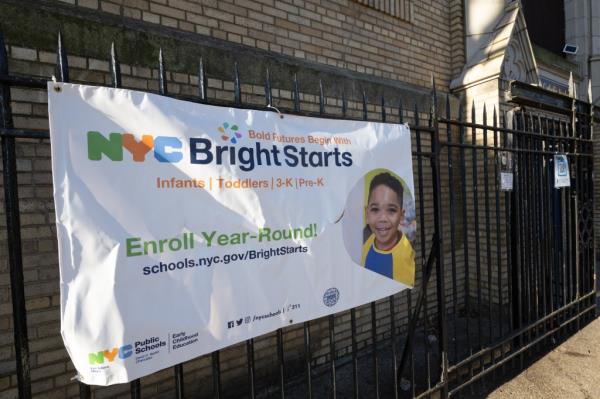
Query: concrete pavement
{"points": [[571, 370]]}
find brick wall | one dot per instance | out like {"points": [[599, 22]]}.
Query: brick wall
{"points": [[339, 33]]}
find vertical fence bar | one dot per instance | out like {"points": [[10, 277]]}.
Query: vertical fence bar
{"points": [[162, 90], [364, 104], [536, 267], [353, 310], [475, 177], [577, 208], [520, 221], [330, 318], [135, 389], [391, 301], [408, 355], [321, 99], [268, 91], [423, 243], [590, 185], [439, 243], [354, 353], [162, 74], [308, 359], [280, 362], [508, 198], [296, 94], [201, 81], [332, 354], [373, 304], [178, 370], [62, 63], [115, 73], [528, 213], [216, 372], [306, 324], [237, 89], [394, 350], [497, 211], [465, 235], [250, 361], [13, 229], [486, 191], [546, 222], [62, 66], [115, 67], [543, 261], [452, 212]]}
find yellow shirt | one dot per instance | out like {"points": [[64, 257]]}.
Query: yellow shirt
{"points": [[397, 263]]}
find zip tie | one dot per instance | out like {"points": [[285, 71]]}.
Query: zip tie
{"points": [[56, 86], [276, 110]]}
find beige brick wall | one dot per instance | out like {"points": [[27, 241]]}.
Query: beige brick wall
{"points": [[339, 33]]}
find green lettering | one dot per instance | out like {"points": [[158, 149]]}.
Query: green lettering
{"points": [[111, 147], [149, 244], [223, 239], [161, 244], [236, 238], [209, 238], [96, 358], [132, 244], [264, 234]]}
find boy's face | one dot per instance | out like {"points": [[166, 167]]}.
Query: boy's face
{"points": [[384, 213]]}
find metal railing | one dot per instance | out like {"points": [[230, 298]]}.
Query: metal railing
{"points": [[513, 269]]}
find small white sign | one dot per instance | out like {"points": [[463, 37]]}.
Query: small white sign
{"points": [[506, 181], [506, 171], [561, 171]]}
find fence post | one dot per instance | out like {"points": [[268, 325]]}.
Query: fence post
{"points": [[591, 182], [13, 227], [439, 244], [62, 72]]}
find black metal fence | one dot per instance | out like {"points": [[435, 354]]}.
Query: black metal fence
{"points": [[513, 269]]}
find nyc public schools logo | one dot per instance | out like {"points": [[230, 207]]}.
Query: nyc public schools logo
{"points": [[331, 296], [126, 351], [110, 355], [230, 133]]}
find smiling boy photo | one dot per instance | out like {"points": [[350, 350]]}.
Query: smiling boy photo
{"points": [[386, 250]]}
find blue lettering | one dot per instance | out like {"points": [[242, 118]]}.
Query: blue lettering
{"points": [[163, 149]]}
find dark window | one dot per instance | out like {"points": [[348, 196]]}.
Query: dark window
{"points": [[546, 23]]}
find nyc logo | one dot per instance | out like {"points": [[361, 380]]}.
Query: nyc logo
{"points": [[230, 133], [123, 352]]}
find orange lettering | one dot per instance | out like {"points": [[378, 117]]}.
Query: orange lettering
{"points": [[138, 149], [110, 355]]}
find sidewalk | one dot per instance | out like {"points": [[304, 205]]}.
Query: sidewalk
{"points": [[572, 370]]}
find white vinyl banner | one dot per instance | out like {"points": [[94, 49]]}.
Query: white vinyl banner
{"points": [[184, 228]]}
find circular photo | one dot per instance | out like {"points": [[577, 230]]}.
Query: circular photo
{"points": [[379, 226]]}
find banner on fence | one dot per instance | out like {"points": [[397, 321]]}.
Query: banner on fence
{"points": [[184, 228]]}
